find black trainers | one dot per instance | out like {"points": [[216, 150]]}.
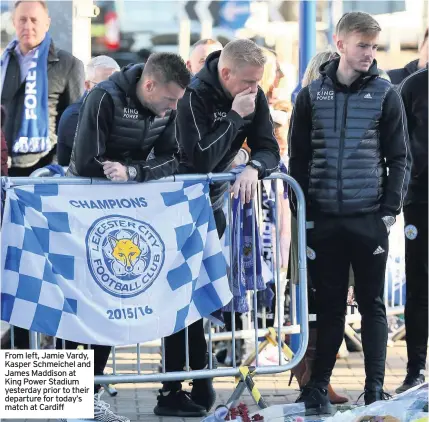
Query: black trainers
{"points": [[410, 381], [179, 404], [316, 401], [373, 395], [202, 392]]}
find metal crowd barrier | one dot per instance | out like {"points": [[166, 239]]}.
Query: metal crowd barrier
{"points": [[267, 335], [45, 172]]}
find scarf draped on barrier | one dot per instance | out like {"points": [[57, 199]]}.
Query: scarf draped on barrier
{"points": [[244, 267], [265, 298], [33, 135], [56, 170]]}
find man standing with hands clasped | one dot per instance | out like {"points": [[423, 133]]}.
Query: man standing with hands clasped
{"points": [[349, 151], [222, 107]]}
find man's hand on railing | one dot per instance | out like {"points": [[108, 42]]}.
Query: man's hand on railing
{"points": [[115, 171], [245, 184]]}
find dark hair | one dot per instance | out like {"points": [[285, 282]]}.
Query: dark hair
{"points": [[167, 67], [41, 2], [357, 21]]}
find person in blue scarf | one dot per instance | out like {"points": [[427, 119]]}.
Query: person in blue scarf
{"points": [[38, 81]]}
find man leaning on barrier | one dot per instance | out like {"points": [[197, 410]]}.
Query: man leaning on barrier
{"points": [[126, 132], [222, 107], [349, 151], [126, 124]]}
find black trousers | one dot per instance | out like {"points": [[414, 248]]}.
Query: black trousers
{"points": [[101, 356], [21, 339], [333, 245], [416, 270], [175, 348]]}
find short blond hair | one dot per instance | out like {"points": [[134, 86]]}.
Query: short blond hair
{"points": [[312, 70], [241, 52]]}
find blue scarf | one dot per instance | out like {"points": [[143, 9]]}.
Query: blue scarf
{"points": [[33, 135], [56, 170], [265, 298], [242, 277]]}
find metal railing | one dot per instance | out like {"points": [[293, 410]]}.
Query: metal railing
{"points": [[271, 335]]}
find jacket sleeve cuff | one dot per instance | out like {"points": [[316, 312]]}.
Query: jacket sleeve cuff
{"points": [[385, 211], [235, 118]]}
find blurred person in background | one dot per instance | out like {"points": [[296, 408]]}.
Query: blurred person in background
{"points": [[303, 370], [199, 52], [38, 83], [97, 70], [414, 92], [280, 108], [398, 75], [350, 207]]}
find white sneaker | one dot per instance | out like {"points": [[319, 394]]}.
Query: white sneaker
{"points": [[103, 413]]}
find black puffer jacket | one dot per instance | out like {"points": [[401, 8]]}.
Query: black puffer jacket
{"points": [[398, 75], [343, 140], [114, 126], [414, 92], [210, 134], [66, 79]]}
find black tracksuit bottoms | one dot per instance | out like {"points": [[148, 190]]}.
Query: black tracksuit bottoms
{"points": [[175, 344], [416, 271], [335, 243]]}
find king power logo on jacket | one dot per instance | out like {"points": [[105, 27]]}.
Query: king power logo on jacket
{"points": [[219, 115], [131, 113], [325, 94]]}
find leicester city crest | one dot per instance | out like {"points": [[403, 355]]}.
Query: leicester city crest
{"points": [[411, 232], [124, 255]]}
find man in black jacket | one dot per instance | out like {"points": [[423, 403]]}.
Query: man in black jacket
{"points": [[414, 92], [348, 147], [126, 131], [221, 108], [97, 70], [126, 125], [398, 75], [65, 82]]}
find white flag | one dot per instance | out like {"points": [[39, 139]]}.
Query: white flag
{"points": [[110, 264]]}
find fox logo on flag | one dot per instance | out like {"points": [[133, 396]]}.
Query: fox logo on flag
{"points": [[111, 264]]}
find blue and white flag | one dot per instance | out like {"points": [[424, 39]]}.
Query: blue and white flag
{"points": [[110, 264]]}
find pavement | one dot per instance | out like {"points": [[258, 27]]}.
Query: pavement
{"points": [[136, 401]]}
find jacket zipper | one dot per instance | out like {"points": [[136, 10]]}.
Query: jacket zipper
{"points": [[340, 155]]}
